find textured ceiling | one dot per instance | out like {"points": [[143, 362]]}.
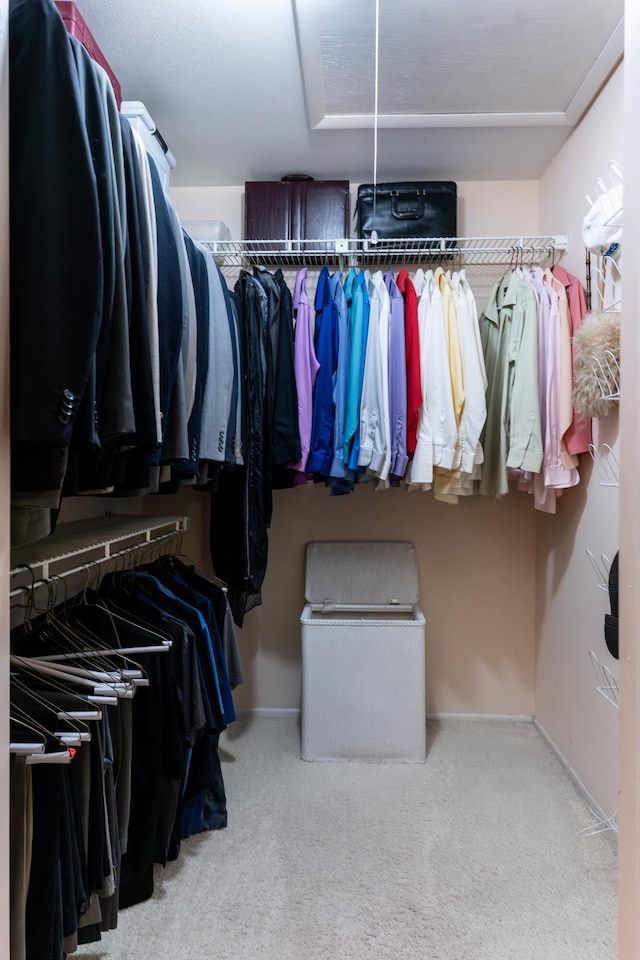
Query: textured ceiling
{"points": [[225, 83], [461, 57]]}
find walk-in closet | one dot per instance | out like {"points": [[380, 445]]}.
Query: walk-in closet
{"points": [[206, 582]]}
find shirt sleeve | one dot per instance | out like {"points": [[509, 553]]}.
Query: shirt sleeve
{"points": [[525, 433]]}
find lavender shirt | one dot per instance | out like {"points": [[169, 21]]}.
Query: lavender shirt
{"points": [[306, 367], [397, 380]]}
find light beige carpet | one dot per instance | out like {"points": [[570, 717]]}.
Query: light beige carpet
{"points": [[470, 856]]}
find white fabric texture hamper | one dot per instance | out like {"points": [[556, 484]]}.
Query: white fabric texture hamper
{"points": [[363, 656]]}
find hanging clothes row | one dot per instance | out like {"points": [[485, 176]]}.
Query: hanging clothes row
{"points": [[391, 358], [133, 368], [145, 773], [125, 348], [533, 433], [400, 381]]}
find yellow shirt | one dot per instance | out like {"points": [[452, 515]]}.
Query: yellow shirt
{"points": [[443, 479]]}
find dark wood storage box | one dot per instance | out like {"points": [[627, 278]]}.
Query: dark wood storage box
{"points": [[296, 209]]}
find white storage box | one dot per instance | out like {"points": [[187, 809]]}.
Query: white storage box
{"points": [[207, 229], [139, 118], [363, 673]]}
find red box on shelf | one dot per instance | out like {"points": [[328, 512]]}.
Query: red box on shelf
{"points": [[76, 26]]}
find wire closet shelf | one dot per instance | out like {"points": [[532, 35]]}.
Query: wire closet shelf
{"points": [[80, 545], [458, 251]]}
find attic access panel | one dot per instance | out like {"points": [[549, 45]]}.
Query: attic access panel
{"points": [[459, 65]]}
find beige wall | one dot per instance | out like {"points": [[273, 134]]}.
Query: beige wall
{"points": [[484, 207], [570, 608], [476, 593], [476, 560], [476, 574], [629, 875], [4, 479]]}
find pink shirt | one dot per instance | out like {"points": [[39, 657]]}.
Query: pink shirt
{"points": [[578, 436], [565, 414]]}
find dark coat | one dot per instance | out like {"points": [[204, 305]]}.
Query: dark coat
{"points": [[56, 250], [285, 424], [132, 467], [240, 505], [234, 443], [199, 278], [169, 297], [113, 400], [136, 267]]}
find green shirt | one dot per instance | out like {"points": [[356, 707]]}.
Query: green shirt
{"points": [[512, 436]]}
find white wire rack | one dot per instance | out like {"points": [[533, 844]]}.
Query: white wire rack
{"points": [[606, 683], [607, 298], [601, 825], [65, 558], [601, 566], [467, 251], [607, 686], [75, 545], [606, 464], [606, 277], [606, 370]]}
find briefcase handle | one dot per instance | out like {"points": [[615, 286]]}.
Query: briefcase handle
{"points": [[407, 207]]}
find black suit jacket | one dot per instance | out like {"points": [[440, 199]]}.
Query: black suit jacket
{"points": [[56, 254]]}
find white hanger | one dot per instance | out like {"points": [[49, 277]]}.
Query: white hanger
{"points": [[81, 679], [66, 737]]}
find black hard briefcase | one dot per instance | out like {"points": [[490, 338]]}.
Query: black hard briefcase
{"points": [[296, 208], [420, 209]]}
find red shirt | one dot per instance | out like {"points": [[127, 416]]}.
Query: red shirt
{"points": [[414, 388]]}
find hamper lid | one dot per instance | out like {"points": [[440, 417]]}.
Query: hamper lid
{"points": [[361, 573]]}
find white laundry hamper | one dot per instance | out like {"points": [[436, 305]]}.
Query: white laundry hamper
{"points": [[363, 654]]}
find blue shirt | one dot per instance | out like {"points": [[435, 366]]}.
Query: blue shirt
{"points": [[326, 344], [341, 379]]}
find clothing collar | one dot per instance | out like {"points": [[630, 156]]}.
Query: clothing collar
{"points": [[562, 275], [491, 312], [349, 283], [322, 283], [300, 289], [511, 290], [401, 280]]}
